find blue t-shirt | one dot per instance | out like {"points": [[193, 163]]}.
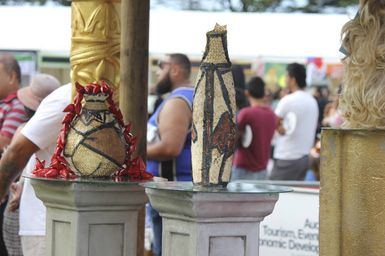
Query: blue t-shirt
{"points": [[181, 165]]}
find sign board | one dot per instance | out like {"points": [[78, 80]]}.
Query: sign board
{"points": [[292, 228]]}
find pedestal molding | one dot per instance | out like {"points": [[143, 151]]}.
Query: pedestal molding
{"points": [[224, 222], [91, 218]]}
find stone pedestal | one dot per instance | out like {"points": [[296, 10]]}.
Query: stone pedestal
{"points": [[352, 201], [211, 222], [91, 217]]}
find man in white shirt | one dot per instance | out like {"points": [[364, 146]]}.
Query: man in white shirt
{"points": [[298, 115], [37, 138]]}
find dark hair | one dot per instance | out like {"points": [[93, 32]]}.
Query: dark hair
{"points": [[239, 84], [238, 76], [298, 72], [183, 61], [256, 87], [11, 65], [240, 98], [29, 112]]}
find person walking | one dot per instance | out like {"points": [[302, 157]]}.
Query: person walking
{"points": [[12, 114], [36, 139], [30, 96], [256, 126], [297, 115], [169, 131]]}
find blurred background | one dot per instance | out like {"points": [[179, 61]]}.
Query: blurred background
{"points": [[263, 35]]}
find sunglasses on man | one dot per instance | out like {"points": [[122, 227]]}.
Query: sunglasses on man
{"points": [[161, 64]]}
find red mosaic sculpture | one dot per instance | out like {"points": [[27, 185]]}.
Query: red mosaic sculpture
{"points": [[133, 169]]}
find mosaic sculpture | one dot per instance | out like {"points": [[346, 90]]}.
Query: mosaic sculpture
{"points": [[214, 109], [94, 140]]}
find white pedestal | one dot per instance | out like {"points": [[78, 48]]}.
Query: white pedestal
{"points": [[211, 222], [91, 218]]}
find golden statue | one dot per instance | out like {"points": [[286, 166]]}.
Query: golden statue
{"points": [[352, 202], [95, 49]]}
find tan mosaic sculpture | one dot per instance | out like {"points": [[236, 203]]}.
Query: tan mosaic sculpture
{"points": [[95, 143], [214, 110]]}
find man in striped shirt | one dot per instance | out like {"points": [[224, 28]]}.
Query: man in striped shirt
{"points": [[12, 114]]}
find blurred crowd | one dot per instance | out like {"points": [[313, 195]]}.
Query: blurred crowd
{"points": [[278, 132], [254, 94], [278, 137], [329, 115]]}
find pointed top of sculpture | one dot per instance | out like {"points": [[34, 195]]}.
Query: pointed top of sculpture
{"points": [[216, 46], [219, 29]]}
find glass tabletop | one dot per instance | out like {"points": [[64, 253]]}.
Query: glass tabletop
{"points": [[94, 180], [233, 187]]}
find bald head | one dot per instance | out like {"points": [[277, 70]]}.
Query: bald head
{"points": [[183, 62], [10, 75], [11, 66]]}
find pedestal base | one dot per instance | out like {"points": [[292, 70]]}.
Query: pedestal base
{"points": [[95, 219], [209, 223], [352, 202]]}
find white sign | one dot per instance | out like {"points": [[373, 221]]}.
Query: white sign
{"points": [[292, 228]]}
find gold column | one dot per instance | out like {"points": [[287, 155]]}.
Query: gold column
{"points": [[99, 30], [352, 195], [95, 48]]}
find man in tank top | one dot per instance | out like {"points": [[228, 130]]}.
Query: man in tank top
{"points": [[169, 130]]}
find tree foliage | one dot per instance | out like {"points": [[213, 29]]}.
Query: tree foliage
{"points": [[311, 6], [251, 5], [316, 6], [35, 2]]}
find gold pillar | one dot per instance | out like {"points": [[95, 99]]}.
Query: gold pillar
{"points": [[95, 48], [352, 195], [99, 30]]}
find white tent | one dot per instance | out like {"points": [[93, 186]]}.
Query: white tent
{"points": [[250, 35]]}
